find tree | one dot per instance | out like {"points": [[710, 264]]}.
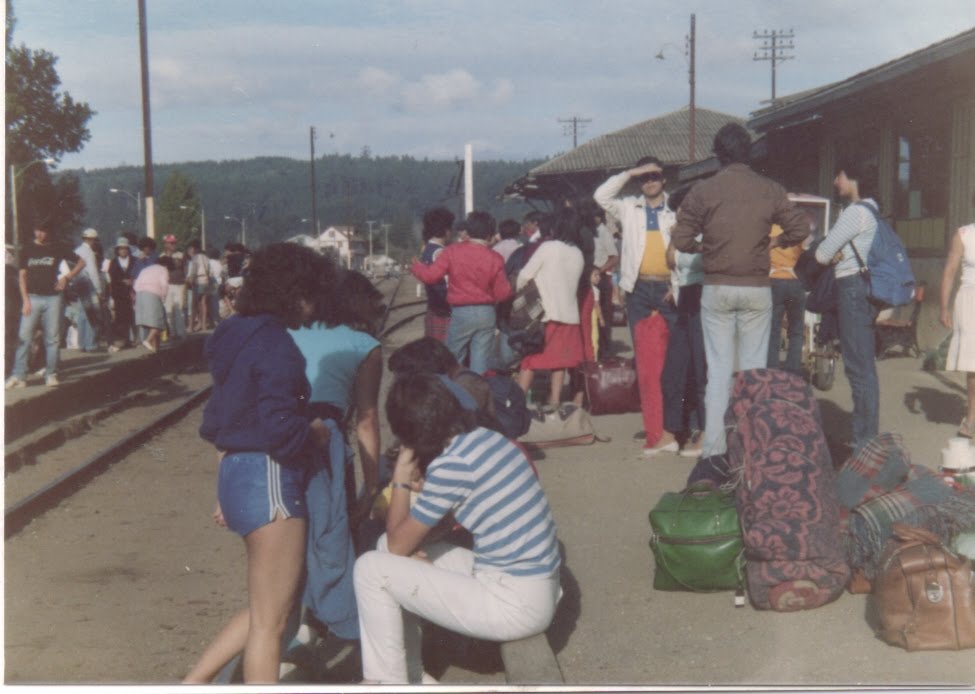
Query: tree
{"points": [[42, 122], [179, 209]]}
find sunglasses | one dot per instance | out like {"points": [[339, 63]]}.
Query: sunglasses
{"points": [[652, 176]]}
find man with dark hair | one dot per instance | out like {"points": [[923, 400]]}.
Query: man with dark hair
{"points": [[509, 230], [41, 293], [854, 231], [646, 222], [728, 218], [477, 283], [437, 222]]}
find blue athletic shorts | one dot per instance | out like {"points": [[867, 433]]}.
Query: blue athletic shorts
{"points": [[253, 489]]}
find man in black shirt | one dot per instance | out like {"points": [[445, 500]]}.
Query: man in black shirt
{"points": [[41, 293]]}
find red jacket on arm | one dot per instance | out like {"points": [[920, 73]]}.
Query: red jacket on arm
{"points": [[475, 274]]}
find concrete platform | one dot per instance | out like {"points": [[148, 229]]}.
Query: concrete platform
{"points": [[89, 379]]}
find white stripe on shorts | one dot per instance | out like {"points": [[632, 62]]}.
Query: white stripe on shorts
{"points": [[275, 500]]}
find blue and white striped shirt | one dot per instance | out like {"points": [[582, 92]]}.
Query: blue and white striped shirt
{"points": [[493, 492]]}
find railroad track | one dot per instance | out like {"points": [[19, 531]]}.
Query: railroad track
{"points": [[36, 489]]}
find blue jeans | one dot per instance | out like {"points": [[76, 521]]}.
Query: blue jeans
{"points": [[734, 319], [77, 313], [858, 345], [471, 332], [789, 299], [685, 370], [647, 297], [45, 308]]}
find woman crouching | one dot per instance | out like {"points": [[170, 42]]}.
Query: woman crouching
{"points": [[506, 588]]}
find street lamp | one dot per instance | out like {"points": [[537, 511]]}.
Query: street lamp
{"points": [[138, 203], [14, 173], [243, 227], [203, 224]]}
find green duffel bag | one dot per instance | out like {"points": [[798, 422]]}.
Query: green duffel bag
{"points": [[696, 541]]}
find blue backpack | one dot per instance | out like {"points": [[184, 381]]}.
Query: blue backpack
{"points": [[887, 272]]}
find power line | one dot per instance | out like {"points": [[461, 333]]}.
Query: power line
{"points": [[774, 49], [573, 125]]}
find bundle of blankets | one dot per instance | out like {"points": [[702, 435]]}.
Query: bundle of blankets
{"points": [[880, 486], [806, 527]]}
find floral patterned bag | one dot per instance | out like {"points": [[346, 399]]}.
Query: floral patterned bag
{"points": [[795, 555]]}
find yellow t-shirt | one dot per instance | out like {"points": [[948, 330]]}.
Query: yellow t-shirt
{"points": [[654, 261]]}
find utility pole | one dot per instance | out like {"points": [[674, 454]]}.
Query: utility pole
{"points": [[692, 135], [370, 223], [774, 48], [146, 124], [575, 122], [314, 196]]}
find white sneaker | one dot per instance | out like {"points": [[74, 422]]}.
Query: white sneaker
{"points": [[671, 447], [112, 349], [52, 381], [40, 372], [148, 346], [15, 382]]}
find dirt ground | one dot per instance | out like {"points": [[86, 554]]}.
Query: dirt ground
{"points": [[129, 579]]}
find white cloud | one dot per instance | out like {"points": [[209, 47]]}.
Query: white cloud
{"points": [[376, 80], [445, 90]]}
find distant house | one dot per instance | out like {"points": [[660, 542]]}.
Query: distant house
{"points": [[913, 117], [580, 170], [335, 240]]}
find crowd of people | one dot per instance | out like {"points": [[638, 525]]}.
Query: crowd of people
{"points": [[451, 524], [91, 301], [295, 372]]}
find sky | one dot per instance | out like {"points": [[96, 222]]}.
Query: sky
{"points": [[235, 79]]}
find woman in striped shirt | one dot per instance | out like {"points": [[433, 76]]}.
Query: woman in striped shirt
{"points": [[505, 588]]}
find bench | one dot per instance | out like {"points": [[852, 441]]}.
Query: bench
{"points": [[530, 661]]}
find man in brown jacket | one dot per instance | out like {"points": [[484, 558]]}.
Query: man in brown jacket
{"points": [[732, 214]]}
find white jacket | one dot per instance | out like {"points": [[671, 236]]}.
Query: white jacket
{"points": [[556, 268], [631, 211]]}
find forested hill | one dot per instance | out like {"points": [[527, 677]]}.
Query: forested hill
{"points": [[272, 195]]}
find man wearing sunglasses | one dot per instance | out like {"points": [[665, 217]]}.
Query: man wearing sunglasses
{"points": [[732, 214], [645, 221]]}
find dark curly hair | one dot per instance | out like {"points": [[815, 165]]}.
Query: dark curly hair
{"points": [[437, 222], [354, 301], [424, 415], [279, 277]]}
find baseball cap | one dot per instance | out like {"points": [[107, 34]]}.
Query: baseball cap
{"points": [[169, 238], [89, 233]]}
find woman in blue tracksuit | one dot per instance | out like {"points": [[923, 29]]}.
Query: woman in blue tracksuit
{"points": [[257, 418]]}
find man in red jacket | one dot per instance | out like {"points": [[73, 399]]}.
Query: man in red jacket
{"points": [[475, 284]]}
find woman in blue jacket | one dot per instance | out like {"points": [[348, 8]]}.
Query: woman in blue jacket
{"points": [[257, 419]]}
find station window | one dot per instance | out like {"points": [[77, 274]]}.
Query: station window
{"points": [[921, 185]]}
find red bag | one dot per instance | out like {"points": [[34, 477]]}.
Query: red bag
{"points": [[611, 386]]}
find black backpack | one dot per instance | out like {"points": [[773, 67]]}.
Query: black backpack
{"points": [[510, 406]]}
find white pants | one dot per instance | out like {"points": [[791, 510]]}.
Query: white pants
{"points": [[175, 312], [393, 591]]}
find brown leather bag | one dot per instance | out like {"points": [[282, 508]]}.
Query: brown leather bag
{"points": [[611, 386], [924, 595]]}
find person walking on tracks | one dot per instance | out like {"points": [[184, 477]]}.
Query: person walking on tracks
{"points": [[257, 418]]}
